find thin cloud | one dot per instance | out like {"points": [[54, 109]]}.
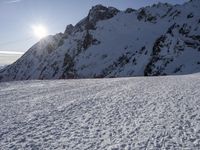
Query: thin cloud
{"points": [[11, 52], [12, 1]]}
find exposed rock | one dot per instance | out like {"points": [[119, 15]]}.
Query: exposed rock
{"points": [[97, 13], [69, 29], [156, 40], [129, 10]]}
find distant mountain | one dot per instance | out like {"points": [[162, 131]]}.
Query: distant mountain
{"points": [[156, 40]]}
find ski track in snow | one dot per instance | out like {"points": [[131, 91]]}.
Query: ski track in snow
{"points": [[124, 113]]}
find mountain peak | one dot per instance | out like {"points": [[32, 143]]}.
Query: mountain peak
{"points": [[100, 12], [69, 29], [161, 39], [96, 13], [101, 8]]}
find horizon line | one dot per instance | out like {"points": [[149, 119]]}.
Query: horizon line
{"points": [[11, 52]]}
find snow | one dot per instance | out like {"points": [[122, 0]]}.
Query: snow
{"points": [[121, 113], [2, 66], [117, 37]]}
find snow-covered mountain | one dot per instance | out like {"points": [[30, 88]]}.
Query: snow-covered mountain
{"points": [[161, 39], [136, 113], [2, 66]]}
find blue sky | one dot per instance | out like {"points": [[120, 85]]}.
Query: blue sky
{"points": [[17, 17]]}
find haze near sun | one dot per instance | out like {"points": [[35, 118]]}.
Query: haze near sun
{"points": [[39, 31]]}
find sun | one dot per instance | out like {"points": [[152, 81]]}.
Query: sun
{"points": [[39, 31]]}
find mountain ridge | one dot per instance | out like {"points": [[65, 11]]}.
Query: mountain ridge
{"points": [[153, 40]]}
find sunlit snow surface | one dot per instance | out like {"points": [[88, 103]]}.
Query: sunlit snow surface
{"points": [[125, 113]]}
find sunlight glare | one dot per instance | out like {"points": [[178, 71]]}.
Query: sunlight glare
{"points": [[39, 31]]}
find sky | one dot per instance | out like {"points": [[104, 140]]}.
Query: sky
{"points": [[17, 17], [6, 59]]}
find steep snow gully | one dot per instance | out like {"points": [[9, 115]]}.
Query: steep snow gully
{"points": [[123, 113]]}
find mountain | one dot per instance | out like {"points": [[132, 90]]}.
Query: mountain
{"points": [[2, 66], [162, 39], [136, 113]]}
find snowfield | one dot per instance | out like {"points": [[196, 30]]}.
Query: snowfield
{"points": [[122, 113]]}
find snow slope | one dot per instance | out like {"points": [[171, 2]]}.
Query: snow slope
{"points": [[124, 113], [156, 40], [1, 67]]}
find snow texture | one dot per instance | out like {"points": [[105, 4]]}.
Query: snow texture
{"points": [[115, 114]]}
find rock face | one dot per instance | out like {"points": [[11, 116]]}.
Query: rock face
{"points": [[159, 40]]}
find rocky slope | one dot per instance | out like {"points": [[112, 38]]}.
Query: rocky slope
{"points": [[157, 40]]}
